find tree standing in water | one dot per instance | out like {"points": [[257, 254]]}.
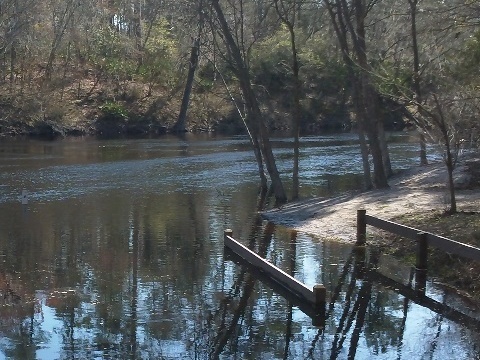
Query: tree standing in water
{"points": [[255, 121]]}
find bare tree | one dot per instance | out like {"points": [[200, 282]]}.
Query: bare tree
{"points": [[255, 119], [365, 96], [416, 77], [288, 12]]}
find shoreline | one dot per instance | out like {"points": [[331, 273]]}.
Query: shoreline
{"points": [[415, 190]]}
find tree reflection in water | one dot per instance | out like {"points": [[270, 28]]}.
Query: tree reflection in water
{"points": [[362, 295], [119, 255]]}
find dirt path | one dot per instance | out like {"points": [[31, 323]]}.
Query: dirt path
{"points": [[414, 190]]}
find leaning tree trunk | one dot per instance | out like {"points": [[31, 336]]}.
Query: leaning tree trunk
{"points": [[254, 115], [253, 139], [180, 125]]}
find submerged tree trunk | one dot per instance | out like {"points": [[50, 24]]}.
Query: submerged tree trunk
{"points": [[369, 99], [288, 17], [254, 116], [180, 125], [253, 139]]}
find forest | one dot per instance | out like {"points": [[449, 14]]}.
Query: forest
{"points": [[146, 67]]}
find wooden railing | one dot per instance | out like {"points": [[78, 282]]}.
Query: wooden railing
{"points": [[424, 239], [315, 296]]}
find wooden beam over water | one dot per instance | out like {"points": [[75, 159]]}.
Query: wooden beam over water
{"points": [[316, 296]]}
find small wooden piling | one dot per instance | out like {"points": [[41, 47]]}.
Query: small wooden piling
{"points": [[316, 296], [361, 227], [422, 251], [420, 281], [320, 294]]}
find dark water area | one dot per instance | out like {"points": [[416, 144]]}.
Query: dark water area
{"points": [[119, 254]]}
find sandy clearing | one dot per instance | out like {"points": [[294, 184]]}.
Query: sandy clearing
{"points": [[414, 190]]}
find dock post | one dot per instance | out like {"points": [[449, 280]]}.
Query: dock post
{"points": [[422, 251], [227, 232], [361, 227], [422, 263], [320, 295], [360, 255]]}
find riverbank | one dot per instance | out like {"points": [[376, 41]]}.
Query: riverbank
{"points": [[417, 197], [412, 191]]}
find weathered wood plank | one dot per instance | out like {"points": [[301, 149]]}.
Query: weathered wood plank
{"points": [[454, 247], [440, 242], [279, 275], [402, 230], [316, 313]]}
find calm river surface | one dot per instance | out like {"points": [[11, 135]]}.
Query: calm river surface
{"points": [[119, 255]]}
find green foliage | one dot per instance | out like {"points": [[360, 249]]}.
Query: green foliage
{"points": [[393, 78], [320, 69], [113, 53], [160, 54], [270, 61], [468, 68], [114, 110]]}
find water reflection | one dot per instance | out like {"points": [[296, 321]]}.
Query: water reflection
{"points": [[119, 254], [368, 314]]}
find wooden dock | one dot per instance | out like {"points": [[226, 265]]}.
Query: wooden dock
{"points": [[315, 296]]}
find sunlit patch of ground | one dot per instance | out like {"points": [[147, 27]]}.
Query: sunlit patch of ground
{"points": [[418, 198]]}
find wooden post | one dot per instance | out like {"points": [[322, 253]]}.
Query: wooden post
{"points": [[227, 232], [360, 254], [320, 295], [361, 227], [422, 251], [420, 280]]}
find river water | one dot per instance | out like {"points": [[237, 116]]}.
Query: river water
{"points": [[119, 254]]}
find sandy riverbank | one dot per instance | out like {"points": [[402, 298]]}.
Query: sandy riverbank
{"points": [[411, 191]]}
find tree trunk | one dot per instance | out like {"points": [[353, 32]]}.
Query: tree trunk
{"points": [[180, 125], [361, 131], [387, 165], [449, 162], [289, 21], [297, 113], [416, 79], [450, 165], [369, 97], [340, 28], [451, 184], [367, 177], [254, 115], [253, 139]]}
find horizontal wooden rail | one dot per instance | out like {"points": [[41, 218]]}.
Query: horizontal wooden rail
{"points": [[440, 242], [316, 313], [316, 296]]}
